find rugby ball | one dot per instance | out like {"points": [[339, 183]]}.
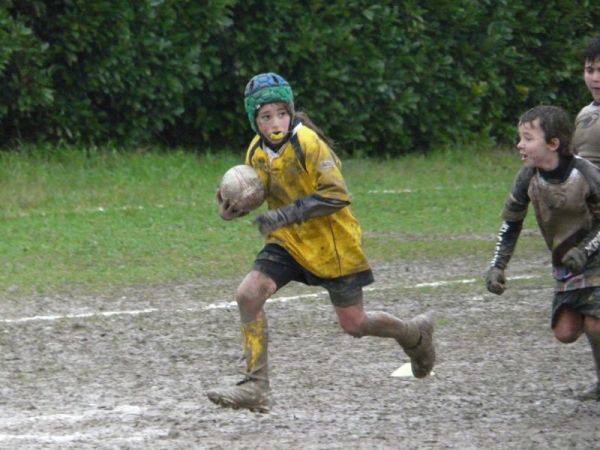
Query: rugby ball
{"points": [[242, 188]]}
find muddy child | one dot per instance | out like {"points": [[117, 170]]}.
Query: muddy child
{"points": [[586, 139], [311, 236], [565, 193]]}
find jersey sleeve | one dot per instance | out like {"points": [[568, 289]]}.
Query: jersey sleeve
{"points": [[517, 203], [592, 174], [513, 215], [330, 193], [324, 168], [591, 242], [506, 243]]}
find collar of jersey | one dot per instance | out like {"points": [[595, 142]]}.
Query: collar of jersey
{"points": [[274, 154]]}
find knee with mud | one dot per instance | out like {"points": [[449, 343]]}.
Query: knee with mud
{"points": [[567, 337], [249, 305], [353, 327], [356, 333]]}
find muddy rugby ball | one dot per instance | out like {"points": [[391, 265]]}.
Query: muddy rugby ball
{"points": [[242, 186]]}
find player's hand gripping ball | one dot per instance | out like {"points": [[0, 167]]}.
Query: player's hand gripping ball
{"points": [[241, 191]]}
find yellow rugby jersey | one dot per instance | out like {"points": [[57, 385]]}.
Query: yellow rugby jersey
{"points": [[328, 246]]}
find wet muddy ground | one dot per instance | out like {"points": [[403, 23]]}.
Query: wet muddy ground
{"points": [[129, 370]]}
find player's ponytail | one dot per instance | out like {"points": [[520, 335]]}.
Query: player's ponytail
{"points": [[307, 121]]}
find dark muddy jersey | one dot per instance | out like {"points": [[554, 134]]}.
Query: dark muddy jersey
{"points": [[586, 138], [567, 210]]}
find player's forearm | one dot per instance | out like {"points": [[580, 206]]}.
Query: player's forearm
{"points": [[298, 212], [317, 206], [591, 242], [310, 207], [506, 243]]}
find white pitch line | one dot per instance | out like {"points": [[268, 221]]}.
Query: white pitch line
{"points": [[232, 304], [120, 410], [80, 316], [445, 283], [47, 438], [434, 188], [467, 281], [392, 191], [123, 414], [522, 277], [91, 210]]}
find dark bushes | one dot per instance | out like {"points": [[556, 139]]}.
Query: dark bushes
{"points": [[382, 78]]}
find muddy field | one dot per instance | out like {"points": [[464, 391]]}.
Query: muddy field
{"points": [[129, 370]]}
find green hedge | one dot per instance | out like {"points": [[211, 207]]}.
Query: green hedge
{"points": [[100, 70], [384, 78]]}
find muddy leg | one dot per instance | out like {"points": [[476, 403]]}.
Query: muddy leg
{"points": [[415, 336], [592, 331], [253, 391]]}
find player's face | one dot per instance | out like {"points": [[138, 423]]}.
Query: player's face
{"points": [[534, 150], [273, 121], [591, 75]]}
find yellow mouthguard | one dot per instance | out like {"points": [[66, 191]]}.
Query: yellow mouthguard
{"points": [[278, 135]]}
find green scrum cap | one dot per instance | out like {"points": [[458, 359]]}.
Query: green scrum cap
{"points": [[266, 88]]}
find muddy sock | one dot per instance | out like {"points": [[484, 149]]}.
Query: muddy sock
{"points": [[595, 346], [382, 324], [255, 341]]}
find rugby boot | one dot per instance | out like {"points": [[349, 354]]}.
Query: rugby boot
{"points": [[249, 394], [422, 354], [253, 391], [591, 393]]}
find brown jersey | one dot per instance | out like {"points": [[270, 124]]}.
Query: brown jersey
{"points": [[566, 211], [586, 138]]}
